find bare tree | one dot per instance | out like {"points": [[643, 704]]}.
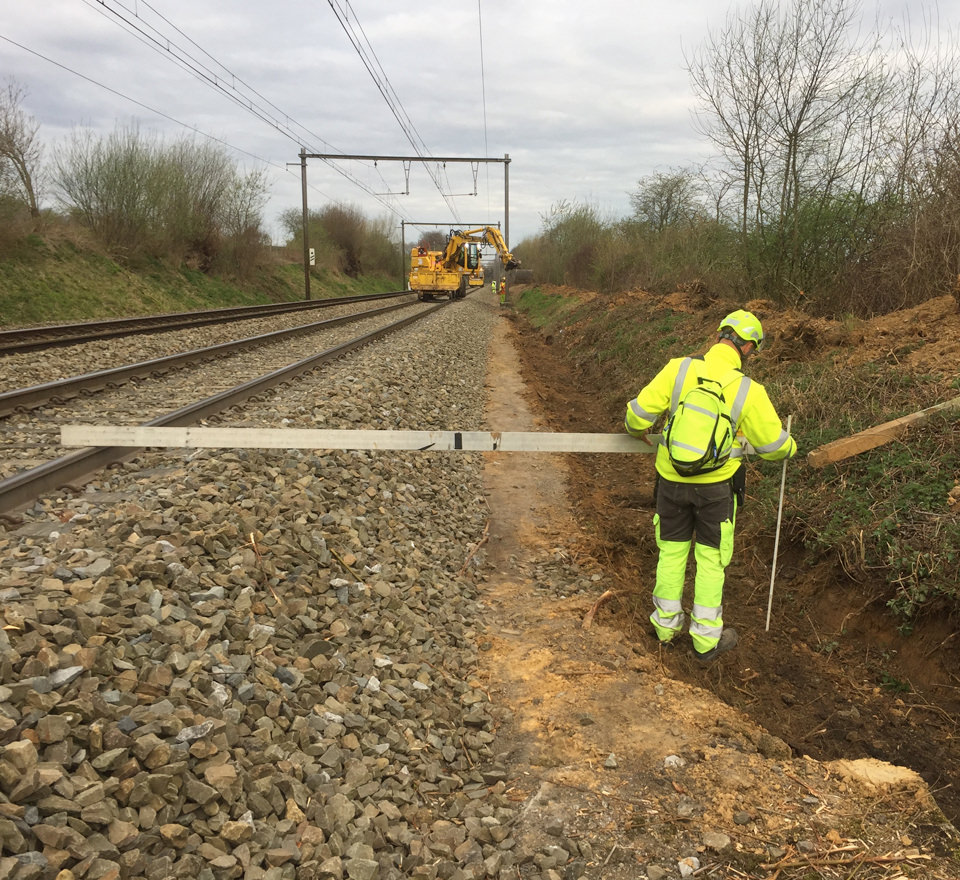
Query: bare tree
{"points": [[108, 184], [794, 99], [245, 198], [433, 240], [731, 76], [141, 197], [669, 198], [20, 149]]}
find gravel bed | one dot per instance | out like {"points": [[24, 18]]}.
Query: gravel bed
{"points": [[32, 437], [234, 663]]}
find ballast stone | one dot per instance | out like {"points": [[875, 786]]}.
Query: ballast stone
{"points": [[229, 697]]}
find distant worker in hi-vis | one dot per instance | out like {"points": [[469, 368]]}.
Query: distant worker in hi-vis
{"points": [[700, 479], [503, 292]]}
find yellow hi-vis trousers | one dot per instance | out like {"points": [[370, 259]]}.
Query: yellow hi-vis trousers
{"points": [[706, 618]]}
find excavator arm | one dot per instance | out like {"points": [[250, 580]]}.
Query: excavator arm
{"points": [[484, 235]]}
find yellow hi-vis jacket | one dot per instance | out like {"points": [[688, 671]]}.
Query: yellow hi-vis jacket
{"points": [[751, 411]]}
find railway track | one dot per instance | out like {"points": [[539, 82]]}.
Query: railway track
{"points": [[238, 563], [59, 390], [35, 463], [34, 338]]}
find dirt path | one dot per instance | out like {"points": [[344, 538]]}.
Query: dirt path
{"points": [[623, 769]]}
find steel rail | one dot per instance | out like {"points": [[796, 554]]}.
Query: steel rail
{"points": [[62, 389], [26, 486], [51, 335]]}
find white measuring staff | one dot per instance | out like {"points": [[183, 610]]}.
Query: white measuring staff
{"points": [[308, 438], [776, 541], [320, 438]]}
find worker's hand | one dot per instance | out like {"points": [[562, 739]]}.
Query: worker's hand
{"points": [[645, 438]]}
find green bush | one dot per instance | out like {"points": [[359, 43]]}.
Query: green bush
{"points": [[344, 240], [185, 202]]}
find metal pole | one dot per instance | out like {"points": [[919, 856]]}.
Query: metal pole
{"points": [[506, 199], [776, 540], [403, 257], [306, 243]]}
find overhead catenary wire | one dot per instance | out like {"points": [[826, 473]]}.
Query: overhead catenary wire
{"points": [[250, 100], [140, 104], [229, 84], [160, 113], [233, 76], [380, 78], [364, 49], [483, 93], [225, 85], [171, 42]]}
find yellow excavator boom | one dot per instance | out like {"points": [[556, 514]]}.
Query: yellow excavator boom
{"points": [[487, 235]]}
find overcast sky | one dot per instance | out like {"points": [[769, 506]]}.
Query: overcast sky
{"points": [[586, 98]]}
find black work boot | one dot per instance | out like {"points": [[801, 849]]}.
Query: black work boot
{"points": [[728, 640]]}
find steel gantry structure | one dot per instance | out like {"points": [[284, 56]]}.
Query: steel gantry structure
{"points": [[304, 155]]}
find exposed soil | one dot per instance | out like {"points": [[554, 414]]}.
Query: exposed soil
{"points": [[767, 735]]}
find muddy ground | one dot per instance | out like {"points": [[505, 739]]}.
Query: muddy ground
{"points": [[630, 758]]}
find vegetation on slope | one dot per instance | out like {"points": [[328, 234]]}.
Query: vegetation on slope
{"points": [[142, 225], [54, 279], [886, 516]]}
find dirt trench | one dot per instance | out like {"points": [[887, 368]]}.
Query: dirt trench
{"points": [[826, 695]]}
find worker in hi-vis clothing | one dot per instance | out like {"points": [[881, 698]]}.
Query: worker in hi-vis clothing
{"points": [[493, 287], [701, 509], [503, 292]]}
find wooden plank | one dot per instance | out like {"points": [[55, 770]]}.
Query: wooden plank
{"points": [[847, 447], [304, 438]]}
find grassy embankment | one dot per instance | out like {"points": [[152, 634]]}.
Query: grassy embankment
{"points": [[884, 515], [47, 281]]}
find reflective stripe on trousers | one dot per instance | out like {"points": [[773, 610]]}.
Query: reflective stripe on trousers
{"points": [[667, 617], [706, 619]]}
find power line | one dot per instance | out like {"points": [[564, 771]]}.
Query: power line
{"points": [[379, 76], [160, 113], [168, 48], [139, 103], [483, 91], [154, 39], [226, 84]]}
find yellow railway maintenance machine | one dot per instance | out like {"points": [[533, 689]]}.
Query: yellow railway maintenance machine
{"points": [[456, 269]]}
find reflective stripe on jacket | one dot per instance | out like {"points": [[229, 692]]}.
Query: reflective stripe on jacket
{"points": [[750, 409]]}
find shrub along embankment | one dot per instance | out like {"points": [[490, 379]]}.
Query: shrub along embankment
{"points": [[55, 279], [888, 517]]}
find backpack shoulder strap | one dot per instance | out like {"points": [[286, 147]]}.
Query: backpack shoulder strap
{"points": [[736, 405], [681, 378]]}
